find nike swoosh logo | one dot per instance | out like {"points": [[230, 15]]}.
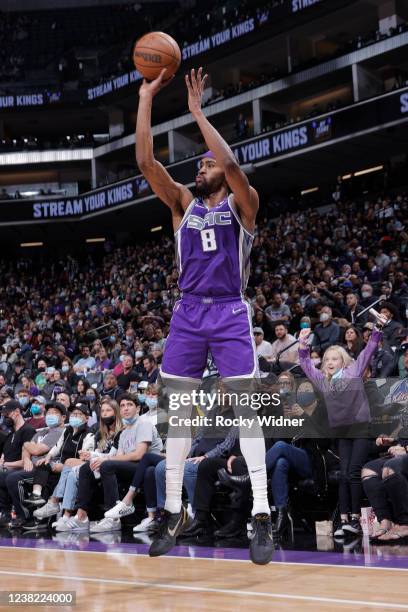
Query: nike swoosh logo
{"points": [[236, 311], [172, 532]]}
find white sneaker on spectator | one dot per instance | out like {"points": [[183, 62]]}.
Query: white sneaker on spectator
{"points": [[119, 511], [59, 521], [72, 523], [106, 524], [144, 525], [46, 511]]}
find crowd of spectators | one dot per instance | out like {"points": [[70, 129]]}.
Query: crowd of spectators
{"points": [[86, 338]]}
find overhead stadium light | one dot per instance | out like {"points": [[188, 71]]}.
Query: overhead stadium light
{"points": [[95, 239], [361, 172], [157, 229], [368, 170], [31, 244], [311, 190]]}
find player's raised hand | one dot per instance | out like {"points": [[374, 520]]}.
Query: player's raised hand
{"points": [[151, 88], [195, 83]]}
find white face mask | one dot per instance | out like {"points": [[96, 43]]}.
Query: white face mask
{"points": [[324, 317], [365, 294]]}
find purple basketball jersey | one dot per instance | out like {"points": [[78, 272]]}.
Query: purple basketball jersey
{"points": [[213, 250]]}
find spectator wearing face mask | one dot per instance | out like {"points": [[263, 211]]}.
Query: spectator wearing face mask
{"points": [[60, 460], [327, 332], [141, 392], [37, 409], [11, 458], [367, 295], [23, 398], [305, 323], [106, 444], [33, 450], [153, 414]]}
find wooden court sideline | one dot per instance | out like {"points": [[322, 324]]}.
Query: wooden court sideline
{"points": [[115, 581]]}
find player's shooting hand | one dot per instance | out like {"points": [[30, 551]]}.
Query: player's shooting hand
{"points": [[195, 83], [151, 88]]}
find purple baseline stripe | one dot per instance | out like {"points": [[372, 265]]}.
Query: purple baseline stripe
{"points": [[373, 559]]}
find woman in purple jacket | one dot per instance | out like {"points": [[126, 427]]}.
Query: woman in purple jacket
{"points": [[340, 381]]}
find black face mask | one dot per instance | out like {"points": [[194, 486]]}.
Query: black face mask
{"points": [[108, 421], [8, 421]]}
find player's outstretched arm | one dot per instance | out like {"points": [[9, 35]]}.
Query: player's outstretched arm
{"points": [[245, 196], [176, 196]]}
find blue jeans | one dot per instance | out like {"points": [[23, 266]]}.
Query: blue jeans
{"points": [[189, 481], [280, 459], [67, 488]]}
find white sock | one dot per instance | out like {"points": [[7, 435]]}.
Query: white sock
{"points": [[178, 442], [253, 451], [177, 450]]}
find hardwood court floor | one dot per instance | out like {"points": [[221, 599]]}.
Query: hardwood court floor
{"points": [[115, 581]]}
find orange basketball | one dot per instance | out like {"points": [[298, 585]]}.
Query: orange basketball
{"points": [[155, 51]]}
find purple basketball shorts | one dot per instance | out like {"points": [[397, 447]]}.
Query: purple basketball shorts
{"points": [[221, 325]]}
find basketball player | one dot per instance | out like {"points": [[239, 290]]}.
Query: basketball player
{"points": [[213, 235]]}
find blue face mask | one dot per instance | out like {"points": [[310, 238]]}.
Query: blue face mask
{"points": [[23, 401], [151, 402], [129, 421], [141, 398], [305, 398], [304, 325], [112, 338], [337, 374], [51, 420], [35, 409], [75, 421]]}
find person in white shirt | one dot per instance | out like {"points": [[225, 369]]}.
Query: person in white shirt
{"points": [[263, 347]]}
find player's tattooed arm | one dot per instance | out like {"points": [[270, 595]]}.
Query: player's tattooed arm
{"points": [[245, 197], [175, 195]]}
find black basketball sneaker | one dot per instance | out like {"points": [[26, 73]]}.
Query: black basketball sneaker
{"points": [[171, 525], [261, 546]]}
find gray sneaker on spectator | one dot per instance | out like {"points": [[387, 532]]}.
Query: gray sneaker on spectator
{"points": [[72, 523], [106, 524], [46, 511]]}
